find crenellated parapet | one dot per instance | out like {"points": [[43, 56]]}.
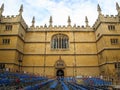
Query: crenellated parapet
{"points": [[14, 18], [69, 27], [60, 28], [105, 19], [101, 18], [10, 19]]}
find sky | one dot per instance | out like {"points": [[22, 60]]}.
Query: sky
{"points": [[59, 10]]}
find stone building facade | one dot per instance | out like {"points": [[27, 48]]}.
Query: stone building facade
{"points": [[61, 50]]}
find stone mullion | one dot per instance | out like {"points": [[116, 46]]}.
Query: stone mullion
{"points": [[52, 44], [61, 42], [67, 43], [55, 45], [57, 42]]}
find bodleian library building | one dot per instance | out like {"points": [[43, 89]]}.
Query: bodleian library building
{"points": [[61, 50]]}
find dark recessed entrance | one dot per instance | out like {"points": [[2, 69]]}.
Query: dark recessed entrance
{"points": [[60, 72]]}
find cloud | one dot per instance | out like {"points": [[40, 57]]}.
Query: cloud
{"points": [[59, 10]]}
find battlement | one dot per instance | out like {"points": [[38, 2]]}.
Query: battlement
{"points": [[11, 18], [105, 18], [14, 18], [110, 16], [68, 27], [60, 28]]}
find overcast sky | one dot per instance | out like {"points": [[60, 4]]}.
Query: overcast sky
{"points": [[59, 10]]}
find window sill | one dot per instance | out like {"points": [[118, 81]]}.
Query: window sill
{"points": [[114, 43], [7, 30], [59, 49]]}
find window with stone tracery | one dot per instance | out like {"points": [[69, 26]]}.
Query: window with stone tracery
{"points": [[111, 27], [60, 41], [8, 27]]}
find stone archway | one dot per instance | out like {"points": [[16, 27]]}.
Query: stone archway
{"points": [[60, 68], [59, 64], [60, 72]]}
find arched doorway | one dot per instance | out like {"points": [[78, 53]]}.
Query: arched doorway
{"points": [[60, 67], [60, 72]]}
